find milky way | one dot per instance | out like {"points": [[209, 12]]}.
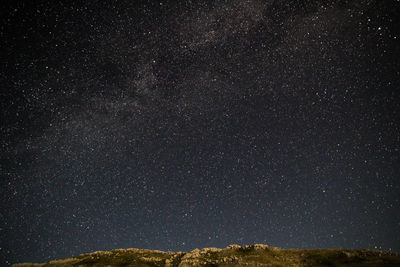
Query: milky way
{"points": [[181, 124]]}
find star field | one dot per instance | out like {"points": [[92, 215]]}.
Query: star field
{"points": [[181, 124]]}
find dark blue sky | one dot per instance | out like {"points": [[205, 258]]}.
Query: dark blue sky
{"points": [[175, 125]]}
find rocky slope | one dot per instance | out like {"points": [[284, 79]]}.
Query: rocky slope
{"points": [[233, 255]]}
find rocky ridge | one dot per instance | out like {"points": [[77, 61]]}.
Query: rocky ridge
{"points": [[233, 255]]}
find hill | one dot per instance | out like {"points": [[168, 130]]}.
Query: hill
{"points": [[233, 255]]}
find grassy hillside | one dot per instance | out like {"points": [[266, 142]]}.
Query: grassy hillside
{"points": [[233, 255]]}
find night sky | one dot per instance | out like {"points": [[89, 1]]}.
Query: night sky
{"points": [[181, 124]]}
